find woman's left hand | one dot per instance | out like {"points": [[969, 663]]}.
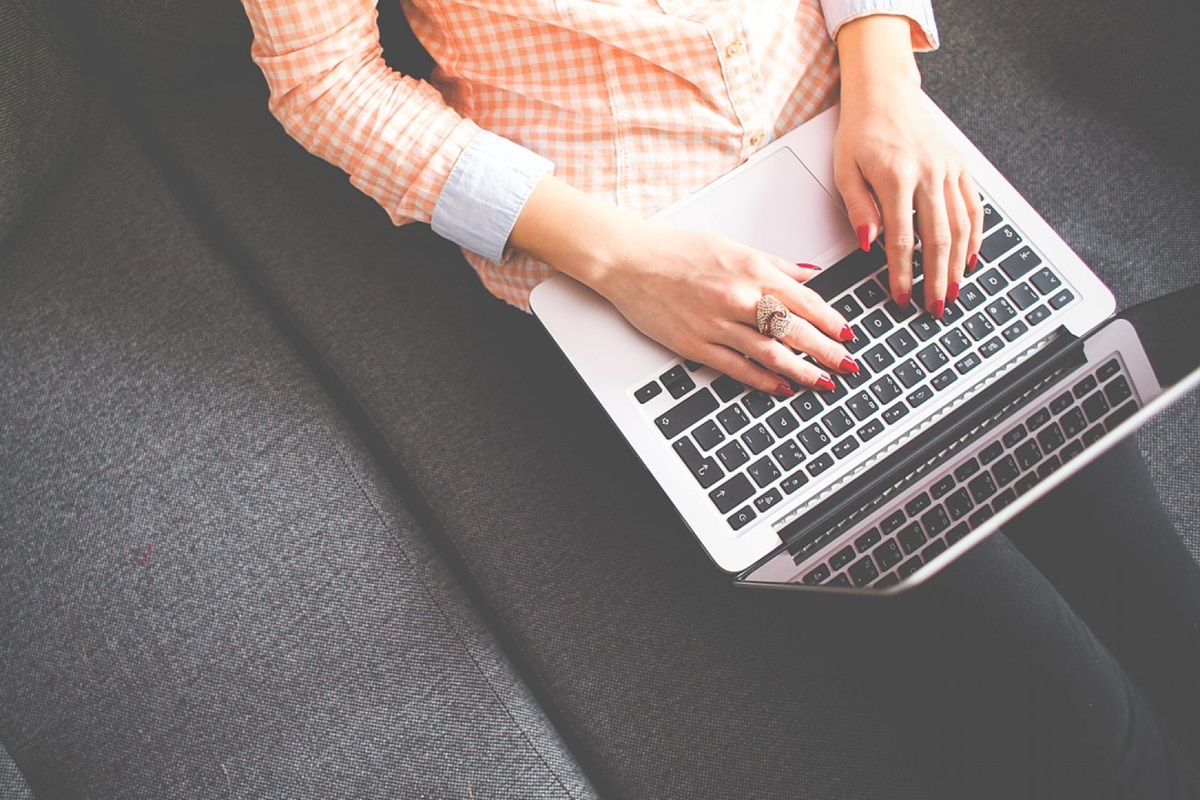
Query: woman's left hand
{"points": [[892, 158]]}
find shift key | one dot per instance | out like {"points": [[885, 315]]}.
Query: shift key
{"points": [[686, 414]]}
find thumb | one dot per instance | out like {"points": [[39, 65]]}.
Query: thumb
{"points": [[860, 205]]}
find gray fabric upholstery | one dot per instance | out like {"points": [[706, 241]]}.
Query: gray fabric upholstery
{"points": [[291, 633], [12, 784]]}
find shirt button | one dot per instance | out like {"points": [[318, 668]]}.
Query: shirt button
{"points": [[757, 139], [735, 48]]}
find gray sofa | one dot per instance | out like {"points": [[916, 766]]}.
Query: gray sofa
{"points": [[269, 528]]}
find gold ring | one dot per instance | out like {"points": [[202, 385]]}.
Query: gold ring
{"points": [[773, 317]]}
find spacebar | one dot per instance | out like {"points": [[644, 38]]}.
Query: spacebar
{"points": [[847, 272]]}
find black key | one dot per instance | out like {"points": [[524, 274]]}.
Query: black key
{"points": [[853, 380], [1048, 468], [991, 347], [1037, 419], [911, 538], [970, 297], [648, 392], [942, 381], [838, 391], [817, 576], [1045, 281], [893, 414], [887, 555], [708, 435], [1070, 451], [870, 294], [867, 540], [886, 581], [918, 290], [991, 217], [1093, 435], [966, 470], [1006, 471], [935, 521], [819, 464], [1117, 391], [1109, 369], [789, 455], [677, 381], [1024, 484], [861, 406], [1120, 415], [892, 522], [1014, 437], [757, 438], [942, 486], [686, 414], [999, 243], [1051, 438], [1061, 299], [1060, 403], [840, 581], [885, 389], [957, 533], [733, 419], [876, 324], [991, 452], [845, 447], [838, 422], [1095, 407], [793, 482], [981, 516], [917, 504], [968, 363], [863, 571], [733, 491], [1073, 422], [901, 342], [848, 307], [982, 487], [1084, 387], [807, 406], [814, 438], [878, 358], [932, 358], [842, 557], [922, 394], [992, 282], [741, 518], [978, 326], [1028, 454], [1000, 311], [758, 403], [934, 550], [704, 470], [1014, 331], [764, 472], [870, 430], [733, 455], [900, 314], [1038, 315], [924, 327], [765, 502], [951, 315], [783, 423], [727, 388], [959, 504], [909, 567], [910, 373], [859, 341], [1023, 296], [1019, 263], [847, 272], [955, 342]]}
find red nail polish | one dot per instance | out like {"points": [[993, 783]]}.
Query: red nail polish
{"points": [[783, 390], [864, 237], [904, 299], [938, 309], [849, 365], [972, 262], [847, 334], [952, 293], [813, 267], [825, 382]]}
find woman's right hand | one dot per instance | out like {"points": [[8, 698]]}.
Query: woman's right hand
{"points": [[695, 293]]}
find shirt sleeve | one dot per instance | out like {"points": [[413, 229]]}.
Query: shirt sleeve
{"points": [[920, 12], [394, 135]]}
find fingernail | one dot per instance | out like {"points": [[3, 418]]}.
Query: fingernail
{"points": [[813, 267], [952, 293], [849, 365], [783, 390], [825, 382], [864, 237], [904, 299], [938, 309], [847, 334], [972, 262]]}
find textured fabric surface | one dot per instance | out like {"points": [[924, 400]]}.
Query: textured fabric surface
{"points": [[205, 589], [12, 785], [46, 111]]}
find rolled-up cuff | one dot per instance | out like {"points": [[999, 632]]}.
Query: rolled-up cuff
{"points": [[839, 12], [485, 192]]}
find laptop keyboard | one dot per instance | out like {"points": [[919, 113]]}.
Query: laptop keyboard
{"points": [[749, 450], [950, 502]]}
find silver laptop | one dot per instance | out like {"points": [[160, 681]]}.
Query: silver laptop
{"points": [[951, 427]]}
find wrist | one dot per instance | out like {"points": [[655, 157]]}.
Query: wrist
{"points": [[876, 58]]}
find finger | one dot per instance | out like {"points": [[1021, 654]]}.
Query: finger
{"points": [[934, 224], [776, 357], [798, 272], [804, 337], [860, 203], [743, 370], [898, 236], [960, 232], [808, 305], [970, 193]]}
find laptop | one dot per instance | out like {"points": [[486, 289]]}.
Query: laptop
{"points": [[952, 426]]}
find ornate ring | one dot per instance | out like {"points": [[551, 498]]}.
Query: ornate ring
{"points": [[773, 317]]}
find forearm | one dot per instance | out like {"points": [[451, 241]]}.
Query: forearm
{"points": [[875, 54]]}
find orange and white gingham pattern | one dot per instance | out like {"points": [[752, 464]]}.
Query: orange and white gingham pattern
{"points": [[639, 101]]}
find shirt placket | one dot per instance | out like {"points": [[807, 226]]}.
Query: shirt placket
{"points": [[739, 68]]}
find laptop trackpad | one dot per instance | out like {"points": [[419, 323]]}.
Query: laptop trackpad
{"points": [[773, 204]]}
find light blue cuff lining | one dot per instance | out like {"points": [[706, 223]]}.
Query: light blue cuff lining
{"points": [[839, 12]]}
